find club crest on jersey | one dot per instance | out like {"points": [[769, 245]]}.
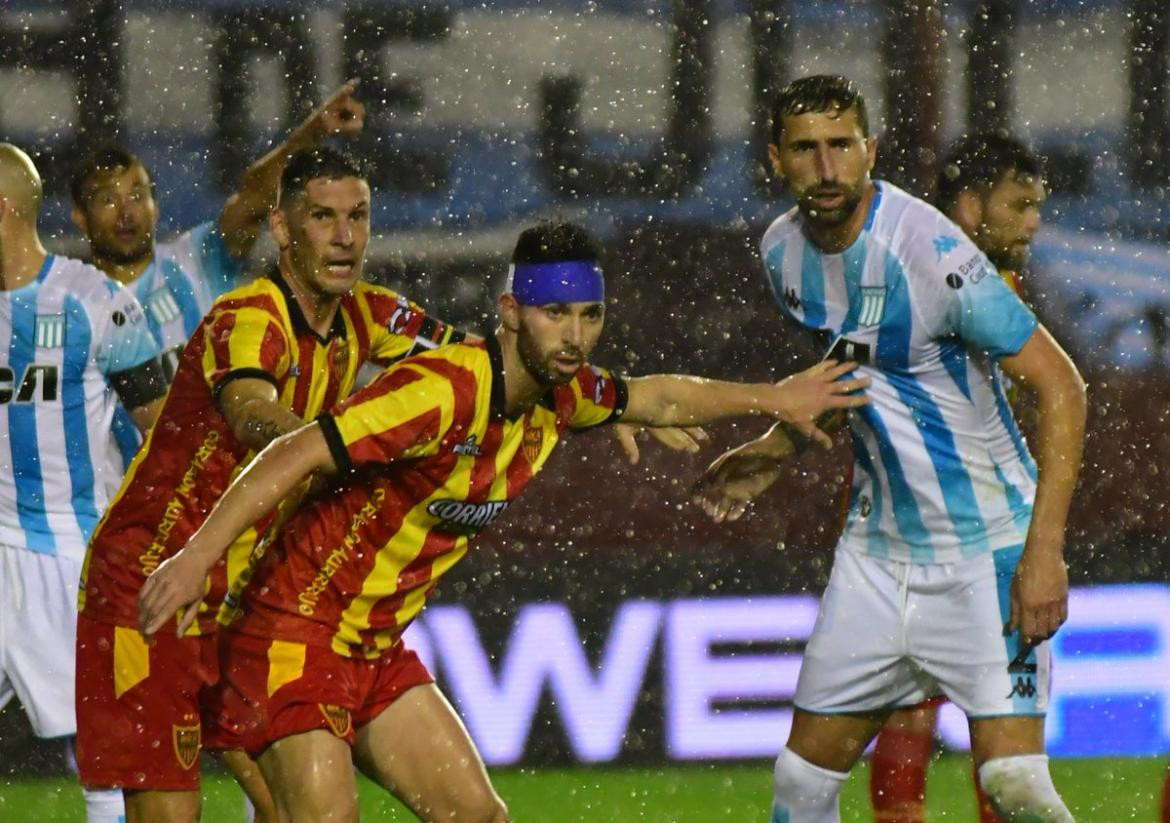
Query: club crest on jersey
{"points": [[186, 740], [338, 719], [340, 354], [533, 442], [873, 305], [163, 307], [401, 317], [49, 331]]}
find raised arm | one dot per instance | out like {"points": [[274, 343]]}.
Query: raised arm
{"points": [[179, 582], [246, 209], [1040, 588], [675, 400], [251, 407]]}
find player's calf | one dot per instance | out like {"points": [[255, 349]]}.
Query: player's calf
{"points": [[1021, 789], [803, 792]]}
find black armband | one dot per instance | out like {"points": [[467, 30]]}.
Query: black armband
{"points": [[336, 444], [139, 385]]}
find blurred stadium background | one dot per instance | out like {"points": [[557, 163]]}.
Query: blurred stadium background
{"points": [[604, 624]]}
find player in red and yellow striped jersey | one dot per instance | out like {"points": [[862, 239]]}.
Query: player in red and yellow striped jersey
{"points": [[991, 186], [267, 358], [426, 456]]}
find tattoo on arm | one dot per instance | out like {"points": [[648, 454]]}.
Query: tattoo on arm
{"points": [[268, 430]]}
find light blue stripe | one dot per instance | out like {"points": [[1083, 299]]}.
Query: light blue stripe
{"points": [[953, 479], [878, 545], [184, 295], [774, 263], [78, 339], [954, 359], [812, 286], [220, 269], [1009, 422], [854, 261], [143, 288], [779, 815], [905, 507], [1021, 511], [1006, 561], [22, 426], [126, 435]]}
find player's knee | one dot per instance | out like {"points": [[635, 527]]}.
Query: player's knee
{"points": [[804, 792], [1021, 789], [481, 805]]}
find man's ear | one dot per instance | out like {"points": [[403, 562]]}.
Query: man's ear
{"points": [[509, 312], [78, 218], [870, 153], [774, 161], [968, 211], [278, 225]]}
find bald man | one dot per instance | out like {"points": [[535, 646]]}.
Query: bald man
{"points": [[73, 343]]}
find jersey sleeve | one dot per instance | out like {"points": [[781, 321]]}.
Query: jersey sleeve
{"points": [[599, 396], [967, 295], [123, 336], [244, 341], [403, 414], [399, 328], [202, 252]]}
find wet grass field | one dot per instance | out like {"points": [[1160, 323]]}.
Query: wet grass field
{"points": [[1114, 790]]}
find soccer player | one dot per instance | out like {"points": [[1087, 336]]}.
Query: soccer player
{"points": [[75, 343], [268, 357], [114, 207], [992, 186], [949, 576], [316, 678]]}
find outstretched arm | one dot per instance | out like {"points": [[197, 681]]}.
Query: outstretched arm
{"points": [[276, 471], [674, 400], [1039, 602], [245, 210]]}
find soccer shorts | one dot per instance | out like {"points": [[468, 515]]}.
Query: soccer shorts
{"points": [[38, 624], [272, 689], [892, 634], [138, 724]]}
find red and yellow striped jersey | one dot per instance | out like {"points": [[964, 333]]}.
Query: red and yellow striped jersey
{"points": [[191, 454], [428, 459]]}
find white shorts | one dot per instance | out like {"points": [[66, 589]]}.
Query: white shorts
{"points": [[38, 637], [891, 634]]}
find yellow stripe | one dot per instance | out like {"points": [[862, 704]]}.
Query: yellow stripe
{"points": [[286, 663], [131, 659]]}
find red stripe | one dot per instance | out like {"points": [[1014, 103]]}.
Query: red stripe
{"points": [[306, 348], [221, 336]]}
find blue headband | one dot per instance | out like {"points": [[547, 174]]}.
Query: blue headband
{"points": [[571, 281]]}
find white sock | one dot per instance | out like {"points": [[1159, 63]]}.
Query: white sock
{"points": [[1020, 787], [104, 806], [805, 793]]}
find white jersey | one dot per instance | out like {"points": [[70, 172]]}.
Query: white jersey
{"points": [[61, 337], [941, 472], [176, 290]]}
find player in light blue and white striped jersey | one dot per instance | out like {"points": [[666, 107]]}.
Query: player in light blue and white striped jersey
{"points": [[949, 577], [72, 343], [114, 206]]}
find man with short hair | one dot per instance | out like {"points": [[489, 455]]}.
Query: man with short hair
{"points": [[115, 208], [75, 343], [992, 186], [949, 576], [316, 676], [268, 357]]}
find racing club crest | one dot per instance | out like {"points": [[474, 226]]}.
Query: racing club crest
{"points": [[187, 740], [533, 441]]}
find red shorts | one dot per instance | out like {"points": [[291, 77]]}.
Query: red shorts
{"points": [[138, 724], [271, 689]]}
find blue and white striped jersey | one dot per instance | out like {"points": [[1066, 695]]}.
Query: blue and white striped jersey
{"points": [[176, 290], [941, 471], [61, 337]]}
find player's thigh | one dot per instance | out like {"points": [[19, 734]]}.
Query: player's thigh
{"points": [[161, 807], [311, 778], [418, 749], [993, 737], [833, 741], [39, 603], [247, 773], [920, 719]]}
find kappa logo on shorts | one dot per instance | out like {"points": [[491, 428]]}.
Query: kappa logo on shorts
{"points": [[337, 718], [187, 741]]}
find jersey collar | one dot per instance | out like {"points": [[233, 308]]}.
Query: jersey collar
{"points": [[300, 324]]}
